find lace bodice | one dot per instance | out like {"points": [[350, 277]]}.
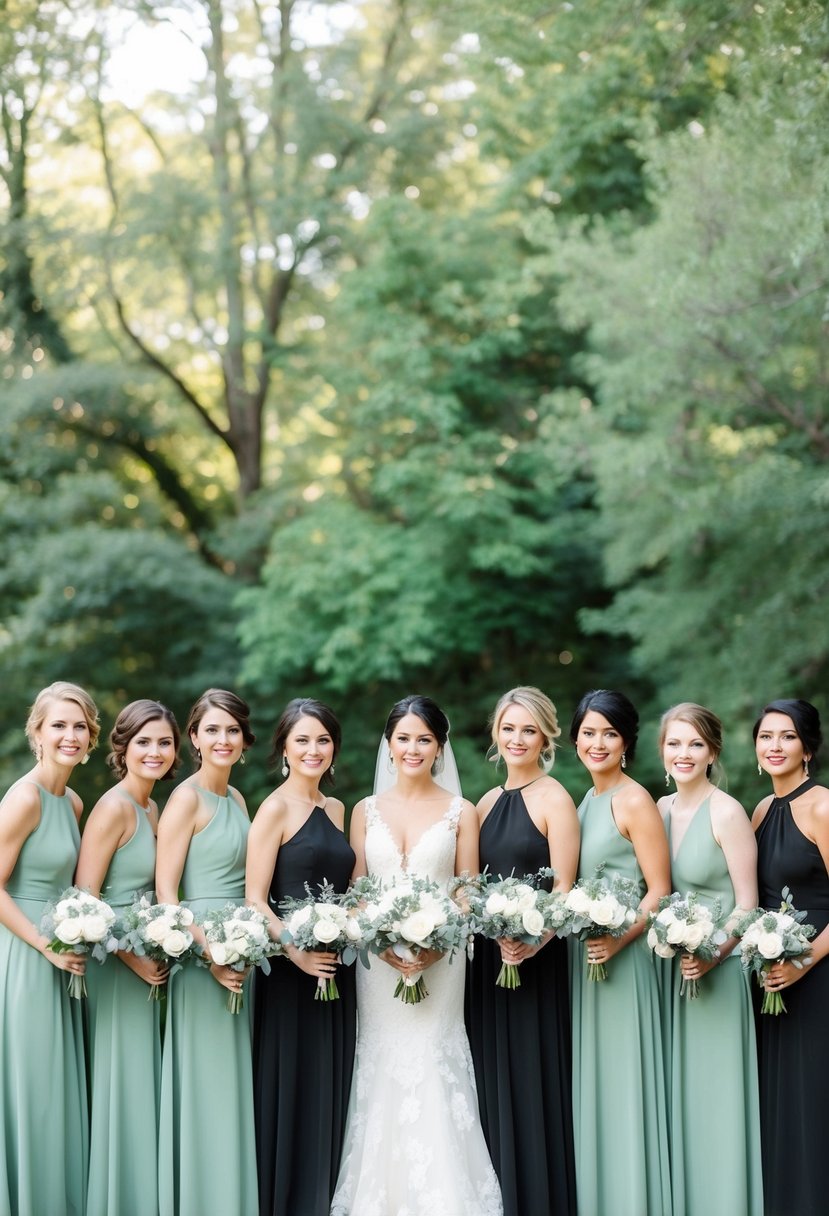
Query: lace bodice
{"points": [[433, 853]]}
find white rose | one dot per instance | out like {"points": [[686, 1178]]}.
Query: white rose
{"points": [[185, 917], [677, 931], [417, 927], [511, 907], [695, 936], [784, 922], [64, 908], [219, 953], [667, 916], [770, 945], [69, 931], [157, 930], [257, 931], [533, 921], [525, 895], [176, 942], [606, 911], [240, 944], [326, 931], [352, 929], [578, 901], [435, 907], [299, 918], [94, 927], [495, 904]]}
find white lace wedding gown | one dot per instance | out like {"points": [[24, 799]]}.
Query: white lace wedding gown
{"points": [[413, 1142]]}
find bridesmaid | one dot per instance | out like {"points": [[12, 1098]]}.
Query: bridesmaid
{"points": [[792, 827], [520, 1040], [619, 1088], [117, 862], [207, 1161], [713, 854], [43, 1117], [303, 1049]]}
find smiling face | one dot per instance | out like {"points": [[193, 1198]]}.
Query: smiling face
{"points": [[414, 748], [599, 744], [151, 751], [779, 748], [63, 736], [309, 748], [219, 739], [685, 753], [520, 739]]}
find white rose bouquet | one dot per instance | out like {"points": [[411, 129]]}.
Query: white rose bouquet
{"points": [[518, 909], [79, 923], [160, 932], [238, 937], [602, 906], [408, 916], [686, 925], [771, 937], [322, 922]]}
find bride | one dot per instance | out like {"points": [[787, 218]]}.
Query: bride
{"points": [[413, 1142]]}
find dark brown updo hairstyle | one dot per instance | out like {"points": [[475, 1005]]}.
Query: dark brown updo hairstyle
{"points": [[305, 707], [806, 720], [131, 720], [424, 708], [619, 711], [219, 698]]}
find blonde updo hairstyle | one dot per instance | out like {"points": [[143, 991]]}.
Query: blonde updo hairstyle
{"points": [[707, 725], [539, 705], [62, 690]]}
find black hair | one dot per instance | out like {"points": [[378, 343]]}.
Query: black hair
{"points": [[424, 708], [305, 707], [617, 708], [806, 721]]}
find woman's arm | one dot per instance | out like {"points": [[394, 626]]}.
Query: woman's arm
{"points": [[20, 817], [110, 825]]}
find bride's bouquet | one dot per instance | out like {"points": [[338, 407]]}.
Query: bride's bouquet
{"points": [[160, 932], [518, 909], [772, 937], [322, 922], [602, 906], [238, 938], [686, 924], [409, 916], [78, 923]]}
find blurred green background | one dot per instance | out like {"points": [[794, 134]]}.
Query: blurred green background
{"points": [[355, 349]]}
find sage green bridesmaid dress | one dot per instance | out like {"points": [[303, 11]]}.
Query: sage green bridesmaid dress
{"points": [[207, 1154], [124, 1050], [43, 1112], [715, 1104], [620, 1118]]}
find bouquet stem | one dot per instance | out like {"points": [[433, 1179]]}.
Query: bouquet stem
{"points": [[773, 1003], [508, 976], [689, 987], [157, 992], [411, 991], [327, 989], [236, 1001], [76, 986], [596, 971]]}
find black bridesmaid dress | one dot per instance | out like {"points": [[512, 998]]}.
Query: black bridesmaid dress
{"points": [[520, 1040], [303, 1049], [793, 1047]]}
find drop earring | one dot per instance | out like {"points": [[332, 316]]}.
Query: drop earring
{"points": [[285, 766], [331, 770], [667, 778], [242, 759], [390, 763], [624, 759], [806, 768], [759, 771]]}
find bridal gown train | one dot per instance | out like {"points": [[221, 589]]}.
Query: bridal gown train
{"points": [[414, 1144]]}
